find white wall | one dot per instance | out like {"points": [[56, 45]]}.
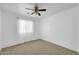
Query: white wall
{"points": [[10, 34], [61, 28], [77, 29], [0, 29]]}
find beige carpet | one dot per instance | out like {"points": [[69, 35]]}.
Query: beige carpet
{"points": [[37, 47]]}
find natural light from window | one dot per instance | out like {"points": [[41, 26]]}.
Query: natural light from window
{"points": [[25, 26]]}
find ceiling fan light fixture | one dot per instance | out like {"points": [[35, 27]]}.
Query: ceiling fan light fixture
{"points": [[36, 10]]}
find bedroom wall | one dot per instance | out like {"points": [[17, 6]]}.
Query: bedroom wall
{"points": [[61, 28], [10, 34], [77, 29], [0, 29]]}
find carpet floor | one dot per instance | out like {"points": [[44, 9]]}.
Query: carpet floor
{"points": [[37, 47]]}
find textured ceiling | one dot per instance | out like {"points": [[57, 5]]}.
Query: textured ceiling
{"points": [[52, 8]]}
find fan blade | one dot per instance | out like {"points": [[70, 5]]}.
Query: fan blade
{"points": [[39, 14], [29, 9], [42, 10], [32, 13]]}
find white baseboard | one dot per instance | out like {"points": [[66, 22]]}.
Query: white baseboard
{"points": [[61, 45]]}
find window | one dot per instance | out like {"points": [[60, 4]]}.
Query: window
{"points": [[25, 26]]}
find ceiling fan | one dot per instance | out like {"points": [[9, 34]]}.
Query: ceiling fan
{"points": [[36, 10]]}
